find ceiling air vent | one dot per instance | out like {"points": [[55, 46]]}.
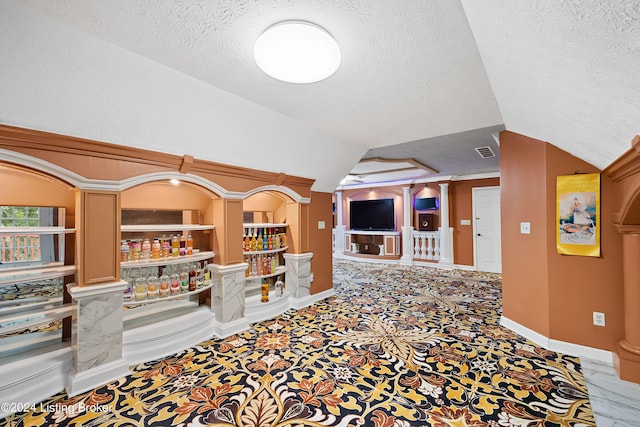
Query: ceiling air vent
{"points": [[485, 152]]}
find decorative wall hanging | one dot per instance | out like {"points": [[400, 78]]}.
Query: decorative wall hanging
{"points": [[578, 214]]}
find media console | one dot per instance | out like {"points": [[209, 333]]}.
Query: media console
{"points": [[380, 243]]}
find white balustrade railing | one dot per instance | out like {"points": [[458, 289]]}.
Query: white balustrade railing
{"points": [[426, 245]]}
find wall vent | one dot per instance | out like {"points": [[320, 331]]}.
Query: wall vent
{"points": [[485, 152]]}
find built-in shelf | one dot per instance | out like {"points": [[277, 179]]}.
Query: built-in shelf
{"points": [[269, 251], [279, 270], [17, 321], [36, 230], [263, 225], [164, 227], [198, 256], [29, 274], [133, 301]]}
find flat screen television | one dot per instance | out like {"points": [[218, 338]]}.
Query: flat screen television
{"points": [[427, 203], [377, 215]]}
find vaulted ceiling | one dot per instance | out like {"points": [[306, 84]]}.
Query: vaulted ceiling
{"points": [[417, 77]]}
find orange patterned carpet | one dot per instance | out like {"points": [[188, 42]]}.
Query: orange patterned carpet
{"points": [[395, 347]]}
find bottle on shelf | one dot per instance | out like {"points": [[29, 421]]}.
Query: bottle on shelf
{"points": [[247, 272], [165, 243], [246, 241], [279, 287], [265, 241], [270, 240], [207, 273], [254, 241], [124, 251], [175, 245], [274, 265], [193, 284], [264, 290], [136, 248], [184, 280], [254, 267], [140, 292], [126, 277], [175, 281], [199, 276], [156, 249], [146, 250], [259, 241], [276, 239], [183, 245], [165, 284], [152, 287], [189, 245]]}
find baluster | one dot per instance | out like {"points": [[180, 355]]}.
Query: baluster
{"points": [[416, 246], [437, 248]]}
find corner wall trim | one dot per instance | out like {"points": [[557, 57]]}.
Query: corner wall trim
{"points": [[571, 349]]}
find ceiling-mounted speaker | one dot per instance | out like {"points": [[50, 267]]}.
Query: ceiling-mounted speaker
{"points": [[426, 222]]}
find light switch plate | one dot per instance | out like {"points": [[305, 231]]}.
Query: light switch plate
{"points": [[465, 222], [525, 228], [321, 225]]}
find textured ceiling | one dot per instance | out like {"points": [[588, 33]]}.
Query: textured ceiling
{"points": [[417, 76]]}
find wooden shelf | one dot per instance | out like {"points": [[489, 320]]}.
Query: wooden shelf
{"points": [[14, 277], [199, 256], [270, 251], [133, 301], [164, 227]]}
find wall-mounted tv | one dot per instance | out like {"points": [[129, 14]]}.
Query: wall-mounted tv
{"points": [[376, 215], [427, 203]]}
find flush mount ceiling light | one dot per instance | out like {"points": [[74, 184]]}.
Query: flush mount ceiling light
{"points": [[297, 52]]}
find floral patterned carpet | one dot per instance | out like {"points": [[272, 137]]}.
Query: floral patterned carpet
{"points": [[395, 347]]}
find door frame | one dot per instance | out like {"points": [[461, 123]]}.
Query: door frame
{"points": [[474, 190]]}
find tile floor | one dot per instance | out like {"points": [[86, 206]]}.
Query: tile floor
{"points": [[615, 402]]}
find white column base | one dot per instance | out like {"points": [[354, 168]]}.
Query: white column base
{"points": [[79, 382], [298, 275]]}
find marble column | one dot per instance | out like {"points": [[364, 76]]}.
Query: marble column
{"points": [[340, 227], [228, 299], [627, 355], [446, 242], [407, 228], [298, 278], [96, 336]]}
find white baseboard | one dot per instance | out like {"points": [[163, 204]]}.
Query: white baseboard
{"points": [[257, 311], [79, 382], [35, 375], [299, 303], [571, 349], [224, 330], [168, 336]]}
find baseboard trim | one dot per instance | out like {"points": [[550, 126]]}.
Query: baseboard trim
{"points": [[36, 375], [571, 349], [299, 303], [224, 330], [168, 336], [79, 382]]}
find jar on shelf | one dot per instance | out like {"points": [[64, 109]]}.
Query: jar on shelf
{"points": [[264, 289]]}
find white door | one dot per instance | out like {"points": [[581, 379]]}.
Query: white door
{"points": [[487, 251]]}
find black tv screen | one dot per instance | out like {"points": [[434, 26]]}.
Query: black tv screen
{"points": [[372, 215], [426, 203]]}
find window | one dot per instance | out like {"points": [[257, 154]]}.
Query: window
{"points": [[20, 247]]}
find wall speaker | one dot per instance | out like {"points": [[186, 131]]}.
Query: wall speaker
{"points": [[426, 222]]}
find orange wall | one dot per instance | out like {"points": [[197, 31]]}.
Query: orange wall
{"points": [[460, 195], [554, 294], [320, 242], [460, 207]]}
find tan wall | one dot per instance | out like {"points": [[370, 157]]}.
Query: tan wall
{"points": [[320, 242], [553, 294]]}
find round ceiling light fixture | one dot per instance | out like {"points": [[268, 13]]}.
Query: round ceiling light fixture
{"points": [[297, 52]]}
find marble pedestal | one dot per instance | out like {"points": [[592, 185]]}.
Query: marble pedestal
{"points": [[298, 278], [96, 340], [228, 299]]}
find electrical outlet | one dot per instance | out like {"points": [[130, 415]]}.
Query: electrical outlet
{"points": [[525, 228], [598, 318]]}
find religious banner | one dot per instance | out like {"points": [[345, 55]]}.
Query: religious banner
{"points": [[578, 214]]}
